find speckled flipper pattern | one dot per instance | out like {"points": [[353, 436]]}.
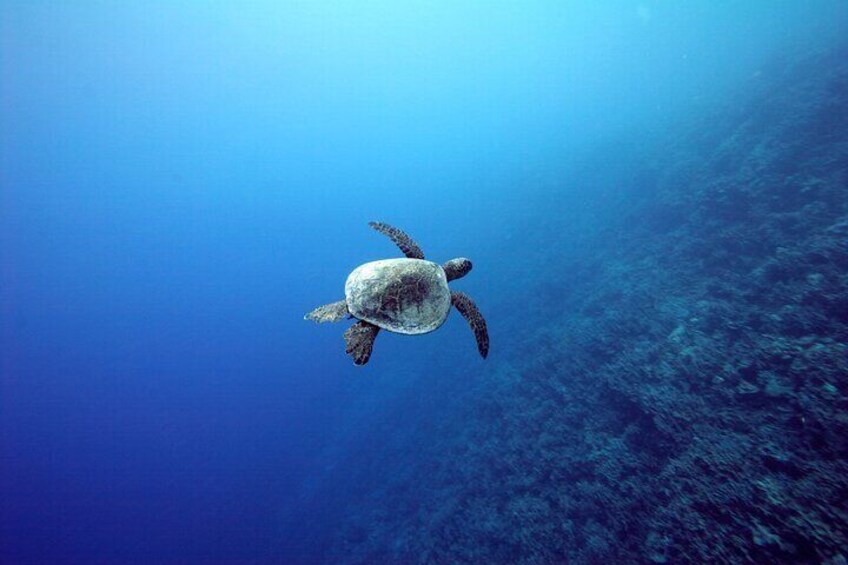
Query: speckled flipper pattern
{"points": [[328, 312], [409, 247], [475, 319], [359, 341]]}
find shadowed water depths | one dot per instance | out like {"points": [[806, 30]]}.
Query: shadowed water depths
{"points": [[654, 199]]}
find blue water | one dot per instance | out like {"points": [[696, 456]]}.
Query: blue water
{"points": [[181, 184]]}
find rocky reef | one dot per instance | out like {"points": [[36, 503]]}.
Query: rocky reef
{"points": [[685, 396]]}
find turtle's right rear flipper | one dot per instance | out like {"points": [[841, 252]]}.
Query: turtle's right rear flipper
{"points": [[359, 341], [328, 312]]}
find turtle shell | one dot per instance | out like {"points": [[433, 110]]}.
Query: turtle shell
{"points": [[407, 296]]}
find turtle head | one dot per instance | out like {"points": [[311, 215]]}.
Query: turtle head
{"points": [[457, 268]]}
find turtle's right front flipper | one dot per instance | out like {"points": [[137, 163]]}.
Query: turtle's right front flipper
{"points": [[359, 341], [329, 312], [474, 318]]}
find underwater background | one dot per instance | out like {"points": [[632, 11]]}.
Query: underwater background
{"points": [[655, 199]]}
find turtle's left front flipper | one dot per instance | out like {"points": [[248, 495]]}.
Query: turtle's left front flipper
{"points": [[401, 239], [475, 319], [359, 341]]}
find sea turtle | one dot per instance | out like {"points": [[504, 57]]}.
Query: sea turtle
{"points": [[406, 296]]}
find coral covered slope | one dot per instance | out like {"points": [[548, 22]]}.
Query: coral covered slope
{"points": [[678, 392]]}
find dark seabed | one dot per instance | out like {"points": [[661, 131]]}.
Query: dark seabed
{"points": [[655, 199]]}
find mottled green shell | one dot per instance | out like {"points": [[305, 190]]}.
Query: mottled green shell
{"points": [[407, 296]]}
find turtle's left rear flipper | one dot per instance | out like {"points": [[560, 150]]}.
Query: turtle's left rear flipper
{"points": [[475, 319], [328, 312], [359, 341]]}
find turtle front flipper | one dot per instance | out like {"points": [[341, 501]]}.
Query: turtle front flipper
{"points": [[409, 247], [359, 341], [474, 318], [328, 312]]}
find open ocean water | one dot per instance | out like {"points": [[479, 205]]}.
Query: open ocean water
{"points": [[654, 196]]}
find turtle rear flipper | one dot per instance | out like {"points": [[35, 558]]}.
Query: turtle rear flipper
{"points": [[474, 318], [409, 247], [359, 341], [329, 312]]}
